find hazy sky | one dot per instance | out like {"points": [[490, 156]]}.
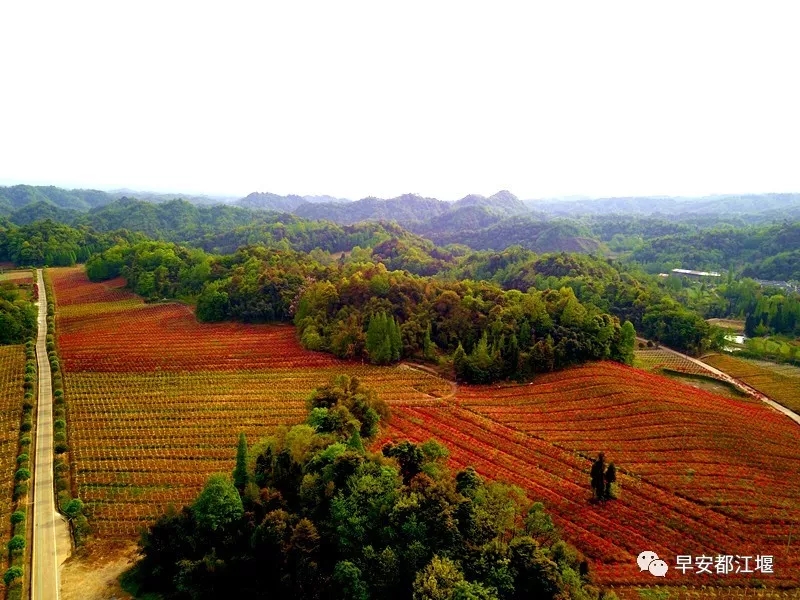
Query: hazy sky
{"points": [[437, 98]]}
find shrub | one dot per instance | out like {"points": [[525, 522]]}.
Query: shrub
{"points": [[23, 458], [25, 439], [22, 475], [16, 543], [61, 447], [18, 516], [11, 575], [27, 425], [59, 424], [20, 490]]}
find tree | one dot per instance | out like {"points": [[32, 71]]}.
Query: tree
{"points": [[611, 478], [383, 343], [349, 582], [438, 580], [598, 477], [219, 504], [240, 477], [12, 574]]}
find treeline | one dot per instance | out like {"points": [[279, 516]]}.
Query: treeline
{"points": [[334, 304], [17, 315], [310, 514], [602, 284], [224, 229], [46, 243]]}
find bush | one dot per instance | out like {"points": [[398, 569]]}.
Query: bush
{"points": [[20, 490], [12, 574], [18, 516], [60, 424], [27, 425], [25, 439], [80, 529], [60, 436], [16, 543], [61, 447], [23, 458]]}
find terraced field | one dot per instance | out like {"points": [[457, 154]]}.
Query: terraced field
{"points": [[702, 474], [780, 382]]}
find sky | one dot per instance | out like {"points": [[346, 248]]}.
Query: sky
{"points": [[437, 98]]}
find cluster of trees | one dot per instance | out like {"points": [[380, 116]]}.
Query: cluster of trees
{"points": [[46, 243], [17, 315], [383, 341], [493, 333], [311, 514], [774, 314], [766, 311], [607, 286]]}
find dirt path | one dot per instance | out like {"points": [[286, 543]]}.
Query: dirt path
{"points": [[48, 525], [432, 371], [750, 391]]}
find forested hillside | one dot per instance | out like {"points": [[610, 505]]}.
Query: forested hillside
{"points": [[764, 252]]}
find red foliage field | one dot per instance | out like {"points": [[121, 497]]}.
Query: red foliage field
{"points": [[701, 474], [156, 401], [120, 333]]}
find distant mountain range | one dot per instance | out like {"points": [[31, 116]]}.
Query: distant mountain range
{"points": [[481, 222]]}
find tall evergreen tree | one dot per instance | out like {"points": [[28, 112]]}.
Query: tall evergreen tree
{"points": [[598, 477]]}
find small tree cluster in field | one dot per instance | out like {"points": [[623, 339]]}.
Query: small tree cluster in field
{"points": [[604, 479], [311, 514], [384, 343]]}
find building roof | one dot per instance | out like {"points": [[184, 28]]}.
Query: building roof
{"points": [[698, 273]]}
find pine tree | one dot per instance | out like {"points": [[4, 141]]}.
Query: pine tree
{"points": [[459, 361], [428, 346], [395, 339], [374, 334], [240, 471]]}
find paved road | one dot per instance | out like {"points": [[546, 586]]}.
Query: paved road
{"points": [[44, 571], [741, 385]]}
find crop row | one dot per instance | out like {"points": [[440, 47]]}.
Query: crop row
{"points": [[773, 382], [612, 534], [670, 433]]}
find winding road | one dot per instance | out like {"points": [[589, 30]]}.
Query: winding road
{"points": [[45, 565]]}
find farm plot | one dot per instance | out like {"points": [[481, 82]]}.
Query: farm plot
{"points": [[781, 383], [701, 474], [657, 359], [158, 407], [156, 400], [12, 370]]}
